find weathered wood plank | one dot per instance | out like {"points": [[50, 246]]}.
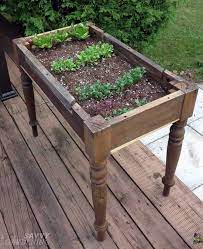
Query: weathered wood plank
{"points": [[5, 241], [135, 57], [189, 103], [47, 210], [21, 224], [73, 202], [135, 123], [96, 31], [182, 209], [190, 91], [98, 146], [121, 228], [168, 75]]}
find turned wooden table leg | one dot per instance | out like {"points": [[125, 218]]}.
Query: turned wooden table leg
{"points": [[176, 137], [30, 101], [98, 148], [98, 174]]}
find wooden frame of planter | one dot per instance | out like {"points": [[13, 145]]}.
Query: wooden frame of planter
{"points": [[101, 136]]}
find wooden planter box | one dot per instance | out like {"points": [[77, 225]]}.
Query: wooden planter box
{"points": [[101, 136]]}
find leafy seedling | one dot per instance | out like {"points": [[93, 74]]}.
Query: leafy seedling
{"points": [[62, 65], [140, 102], [120, 111], [80, 31], [130, 78], [60, 37], [45, 41], [94, 53], [96, 91], [105, 50], [100, 90], [91, 55]]}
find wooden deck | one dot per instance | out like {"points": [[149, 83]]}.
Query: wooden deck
{"points": [[45, 189]]}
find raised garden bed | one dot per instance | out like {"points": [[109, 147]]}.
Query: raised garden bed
{"points": [[106, 70], [109, 94]]}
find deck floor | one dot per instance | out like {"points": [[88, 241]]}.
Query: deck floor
{"points": [[45, 199]]}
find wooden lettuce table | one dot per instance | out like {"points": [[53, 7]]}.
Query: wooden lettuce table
{"points": [[101, 136]]}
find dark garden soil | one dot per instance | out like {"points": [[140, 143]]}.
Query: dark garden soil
{"points": [[108, 70]]}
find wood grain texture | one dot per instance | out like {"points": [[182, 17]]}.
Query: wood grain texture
{"points": [[182, 209], [149, 117], [5, 241], [176, 136], [189, 103], [29, 100], [47, 211], [98, 145], [68, 194], [135, 57], [21, 224]]}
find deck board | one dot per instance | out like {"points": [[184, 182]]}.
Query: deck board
{"points": [[47, 210], [19, 219], [183, 211], [5, 237], [138, 215], [71, 199]]}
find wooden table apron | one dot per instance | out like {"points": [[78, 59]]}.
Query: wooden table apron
{"points": [[101, 136]]}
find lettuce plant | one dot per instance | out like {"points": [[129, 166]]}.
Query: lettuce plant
{"points": [[105, 50], [129, 79], [140, 102], [61, 36], [100, 90], [120, 111], [90, 55], [43, 41], [94, 53], [61, 65], [95, 91], [79, 31]]}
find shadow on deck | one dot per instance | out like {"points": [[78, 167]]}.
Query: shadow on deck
{"points": [[45, 199]]}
